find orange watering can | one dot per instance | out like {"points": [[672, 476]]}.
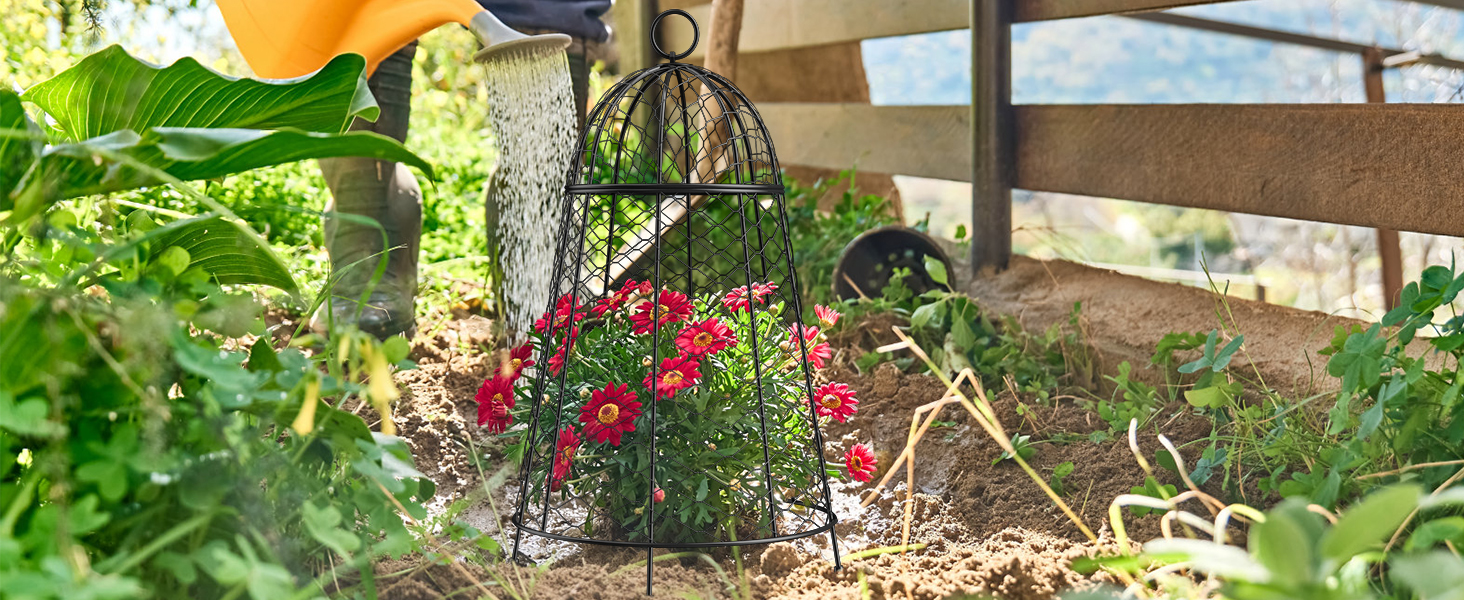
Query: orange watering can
{"points": [[290, 38]]}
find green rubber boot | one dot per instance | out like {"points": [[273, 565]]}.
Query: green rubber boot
{"points": [[363, 191]]}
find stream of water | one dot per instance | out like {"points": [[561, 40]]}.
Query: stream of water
{"points": [[531, 108]]}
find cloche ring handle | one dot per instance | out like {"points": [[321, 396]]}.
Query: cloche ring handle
{"points": [[695, 34]]}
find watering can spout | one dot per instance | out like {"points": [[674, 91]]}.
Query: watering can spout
{"points": [[292, 38]]}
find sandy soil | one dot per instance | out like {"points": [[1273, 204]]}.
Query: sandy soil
{"points": [[1125, 317]]}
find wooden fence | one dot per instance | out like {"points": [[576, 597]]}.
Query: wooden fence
{"points": [[1389, 166]]}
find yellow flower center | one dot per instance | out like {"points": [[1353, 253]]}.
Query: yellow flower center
{"points": [[671, 378], [702, 339], [499, 398], [856, 463], [608, 414], [831, 401], [515, 363], [559, 319]]}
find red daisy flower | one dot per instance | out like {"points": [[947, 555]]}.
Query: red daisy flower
{"points": [[518, 360], [738, 299], [564, 310], [817, 352], [835, 400], [556, 362], [564, 451], [859, 460], [827, 317], [675, 374], [494, 398], [705, 338], [671, 307], [610, 413]]}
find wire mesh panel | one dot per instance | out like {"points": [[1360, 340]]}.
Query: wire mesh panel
{"points": [[671, 398]]}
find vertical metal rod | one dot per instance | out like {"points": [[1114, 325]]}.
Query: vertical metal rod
{"points": [[1389, 249], [655, 355], [992, 136]]}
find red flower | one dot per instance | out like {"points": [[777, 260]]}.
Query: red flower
{"points": [[675, 374], [827, 317], [817, 353], [518, 360], [564, 451], [610, 413], [563, 311], [737, 299], [859, 460], [671, 307], [835, 400], [556, 362], [705, 338], [494, 398], [619, 298], [659, 495]]}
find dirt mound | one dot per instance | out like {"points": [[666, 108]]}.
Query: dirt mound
{"points": [[1126, 316]]}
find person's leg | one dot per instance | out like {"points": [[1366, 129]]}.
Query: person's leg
{"points": [[385, 192]]}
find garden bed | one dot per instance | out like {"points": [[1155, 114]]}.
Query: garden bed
{"points": [[987, 527]]}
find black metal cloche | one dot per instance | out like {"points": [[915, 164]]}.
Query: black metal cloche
{"points": [[671, 401]]}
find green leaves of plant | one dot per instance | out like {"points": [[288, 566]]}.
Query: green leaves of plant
{"points": [[1212, 360], [1369, 522], [17, 150], [112, 91], [226, 252], [127, 124]]}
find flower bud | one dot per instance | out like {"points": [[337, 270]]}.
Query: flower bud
{"points": [[659, 495], [585, 392], [711, 446], [640, 510], [646, 362]]}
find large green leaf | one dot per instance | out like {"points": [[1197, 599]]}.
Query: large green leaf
{"points": [[17, 149], [111, 91], [226, 252], [125, 160]]}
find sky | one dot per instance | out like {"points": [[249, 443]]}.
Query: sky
{"points": [[1121, 60]]}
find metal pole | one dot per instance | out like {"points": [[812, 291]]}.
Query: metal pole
{"points": [[992, 136], [1389, 249]]}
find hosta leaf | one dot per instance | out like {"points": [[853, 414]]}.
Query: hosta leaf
{"points": [[111, 91], [226, 252], [84, 168], [16, 151]]}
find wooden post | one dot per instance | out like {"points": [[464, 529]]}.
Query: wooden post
{"points": [[1389, 249], [992, 139], [632, 34]]}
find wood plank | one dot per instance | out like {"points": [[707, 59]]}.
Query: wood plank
{"points": [[927, 141], [1047, 10], [1394, 166], [783, 24]]}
